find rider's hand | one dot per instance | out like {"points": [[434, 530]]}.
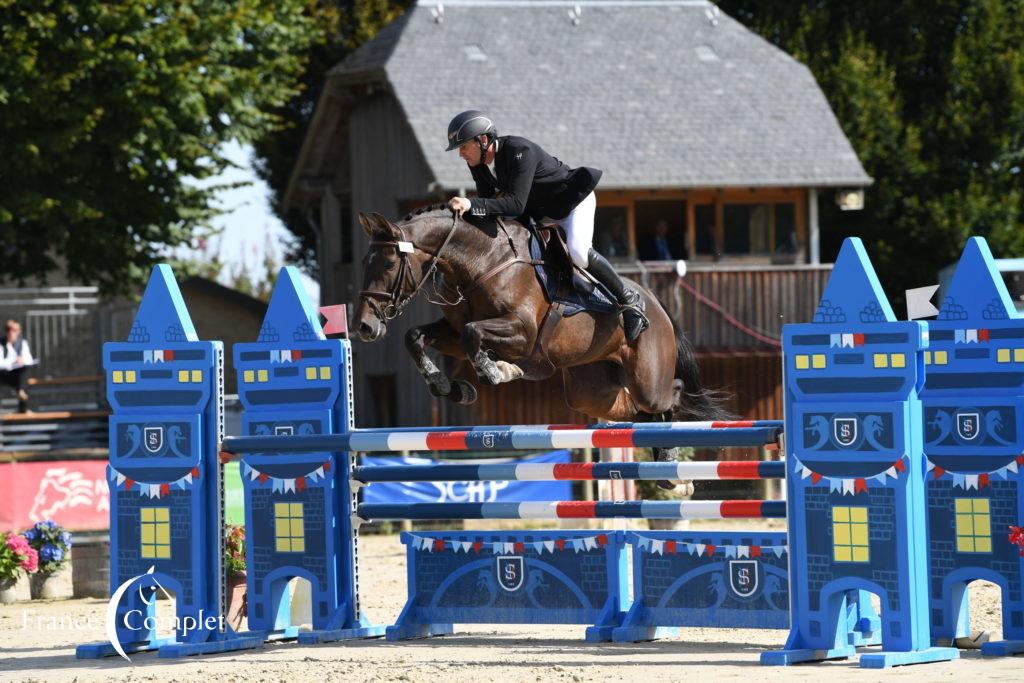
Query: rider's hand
{"points": [[459, 205]]}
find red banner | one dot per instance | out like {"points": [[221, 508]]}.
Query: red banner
{"points": [[72, 493]]}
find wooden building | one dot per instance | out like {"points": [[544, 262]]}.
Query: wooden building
{"points": [[707, 135]]}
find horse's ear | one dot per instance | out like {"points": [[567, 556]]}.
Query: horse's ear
{"points": [[365, 222], [385, 227]]}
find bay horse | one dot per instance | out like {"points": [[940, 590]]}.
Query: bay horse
{"points": [[496, 315]]}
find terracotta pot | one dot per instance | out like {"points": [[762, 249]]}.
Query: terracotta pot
{"points": [[43, 586], [237, 604], [8, 591]]}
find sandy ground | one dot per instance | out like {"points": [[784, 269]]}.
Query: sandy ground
{"points": [[37, 641]]}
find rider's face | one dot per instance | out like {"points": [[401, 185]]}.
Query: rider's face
{"points": [[470, 151]]}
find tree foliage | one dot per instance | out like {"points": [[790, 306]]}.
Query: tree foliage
{"points": [[112, 115], [345, 25], [931, 95]]}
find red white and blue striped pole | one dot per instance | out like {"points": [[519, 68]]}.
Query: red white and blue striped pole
{"points": [[659, 509], [698, 471], [506, 439], [719, 424]]}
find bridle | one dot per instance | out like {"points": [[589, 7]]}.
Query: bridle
{"points": [[389, 305]]}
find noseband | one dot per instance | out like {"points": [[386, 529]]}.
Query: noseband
{"points": [[389, 305]]}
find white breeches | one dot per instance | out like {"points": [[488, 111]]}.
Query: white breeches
{"points": [[579, 230]]}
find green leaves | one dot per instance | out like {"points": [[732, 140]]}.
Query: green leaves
{"points": [[931, 95], [110, 112]]}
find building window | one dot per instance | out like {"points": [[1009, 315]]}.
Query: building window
{"points": [[289, 534], [760, 229], [973, 526], [850, 534], [660, 229], [156, 533], [704, 224], [611, 231]]}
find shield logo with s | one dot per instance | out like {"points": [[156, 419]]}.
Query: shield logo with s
{"points": [[743, 577], [510, 572], [488, 440], [153, 438], [967, 425], [845, 430]]}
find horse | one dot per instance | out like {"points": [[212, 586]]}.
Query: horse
{"points": [[496, 315]]}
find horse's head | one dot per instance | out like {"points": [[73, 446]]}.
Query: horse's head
{"points": [[389, 275]]}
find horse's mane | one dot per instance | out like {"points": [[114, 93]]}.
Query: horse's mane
{"points": [[441, 206]]}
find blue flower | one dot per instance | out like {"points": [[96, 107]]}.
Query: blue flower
{"points": [[48, 552], [65, 538], [31, 535], [50, 524]]}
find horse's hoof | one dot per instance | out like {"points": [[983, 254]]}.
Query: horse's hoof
{"points": [[439, 384], [462, 392]]}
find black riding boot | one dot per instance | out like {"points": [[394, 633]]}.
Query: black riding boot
{"points": [[633, 319]]}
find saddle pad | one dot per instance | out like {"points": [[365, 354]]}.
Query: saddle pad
{"points": [[560, 287]]}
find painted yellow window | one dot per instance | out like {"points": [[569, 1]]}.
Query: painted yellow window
{"points": [[118, 376], [129, 376], [941, 357], [818, 361], [249, 376], [850, 534], [881, 360], [325, 372], [289, 534], [182, 375], [803, 362], [973, 526], [156, 533], [1003, 355], [898, 360], [1018, 355], [197, 375], [310, 372], [927, 357], [262, 375]]}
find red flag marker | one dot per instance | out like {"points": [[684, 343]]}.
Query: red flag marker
{"points": [[336, 319]]}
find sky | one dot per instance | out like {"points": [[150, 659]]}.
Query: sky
{"points": [[248, 221]]}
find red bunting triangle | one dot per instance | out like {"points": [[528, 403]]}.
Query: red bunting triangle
{"points": [[560, 544], [327, 466], [938, 471], [815, 477], [983, 335], [983, 481], [602, 540], [858, 339], [860, 485], [128, 484], [710, 549], [477, 546], [438, 544], [670, 547], [262, 478], [900, 467], [300, 484], [519, 547], [755, 551], [165, 489], [195, 472]]}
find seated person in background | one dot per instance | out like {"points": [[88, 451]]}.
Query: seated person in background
{"points": [[16, 363], [656, 247], [614, 242]]}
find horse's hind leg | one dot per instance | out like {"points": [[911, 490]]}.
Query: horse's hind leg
{"points": [[439, 335], [506, 337]]}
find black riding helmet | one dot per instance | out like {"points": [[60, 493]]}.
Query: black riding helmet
{"points": [[470, 125]]}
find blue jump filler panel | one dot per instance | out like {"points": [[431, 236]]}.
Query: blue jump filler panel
{"points": [[513, 577], [973, 439], [166, 507], [705, 579], [855, 473], [293, 381]]}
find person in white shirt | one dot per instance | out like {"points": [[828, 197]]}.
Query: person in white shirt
{"points": [[16, 363]]}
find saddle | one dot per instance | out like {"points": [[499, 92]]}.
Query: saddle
{"points": [[568, 289]]}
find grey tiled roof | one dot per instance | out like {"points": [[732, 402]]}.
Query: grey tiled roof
{"points": [[656, 94]]}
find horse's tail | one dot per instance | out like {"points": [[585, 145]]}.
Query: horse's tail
{"points": [[691, 400]]}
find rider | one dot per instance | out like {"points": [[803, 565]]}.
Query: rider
{"points": [[533, 183]]}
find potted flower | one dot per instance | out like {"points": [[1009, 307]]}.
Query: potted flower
{"points": [[53, 543], [234, 568], [16, 556]]}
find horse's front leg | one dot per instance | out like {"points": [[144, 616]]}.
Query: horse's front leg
{"points": [[492, 344], [439, 335]]}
